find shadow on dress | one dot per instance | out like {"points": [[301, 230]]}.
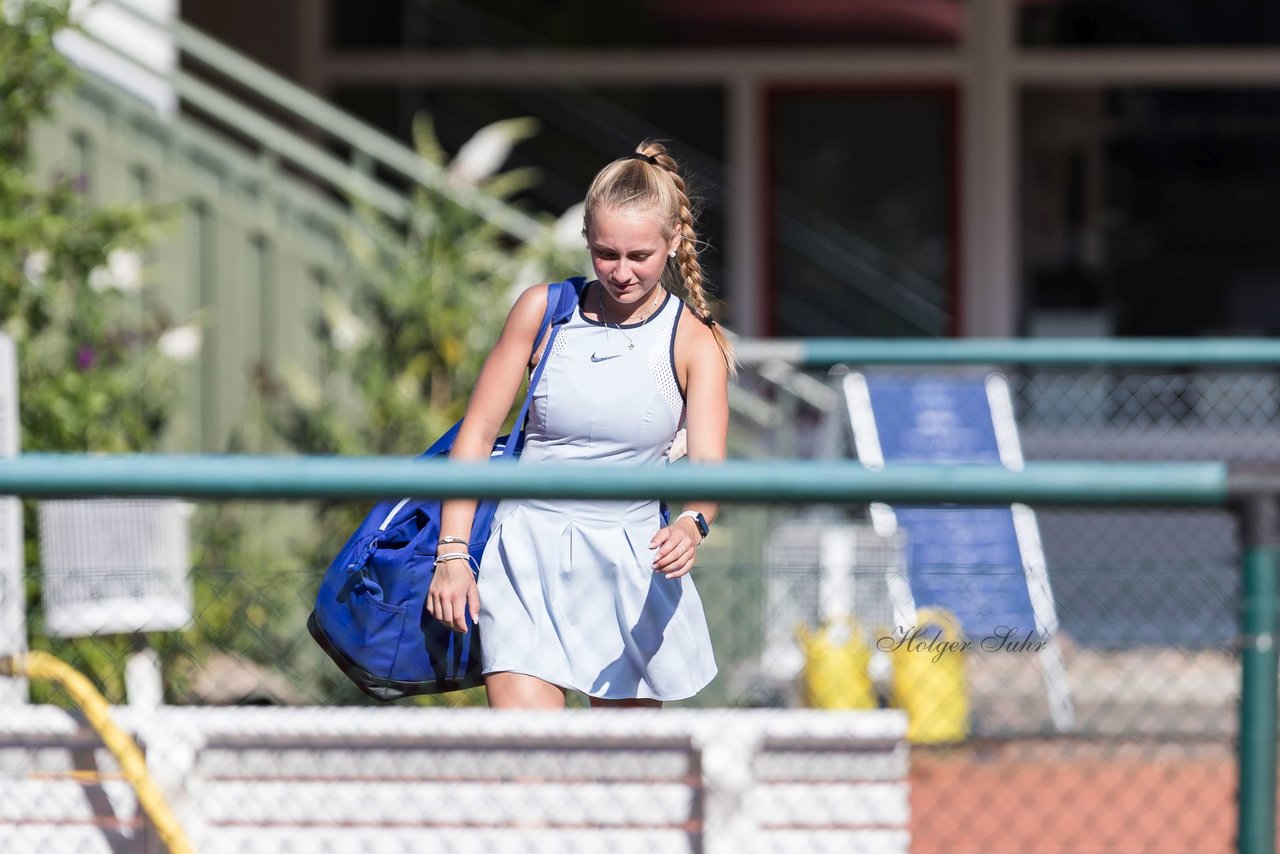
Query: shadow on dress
{"points": [[643, 641]]}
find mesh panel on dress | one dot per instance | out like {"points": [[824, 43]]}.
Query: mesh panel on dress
{"points": [[557, 346], [664, 375]]}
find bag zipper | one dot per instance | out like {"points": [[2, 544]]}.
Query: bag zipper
{"points": [[392, 514]]}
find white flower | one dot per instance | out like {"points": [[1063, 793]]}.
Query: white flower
{"points": [[482, 155], [126, 269], [348, 333], [35, 266], [99, 279], [181, 343], [123, 272], [346, 330]]}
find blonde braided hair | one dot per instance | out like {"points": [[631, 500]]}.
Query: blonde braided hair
{"points": [[633, 181]]}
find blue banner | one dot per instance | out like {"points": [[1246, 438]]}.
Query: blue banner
{"points": [[964, 559]]}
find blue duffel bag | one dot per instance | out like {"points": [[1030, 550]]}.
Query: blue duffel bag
{"points": [[370, 614]]}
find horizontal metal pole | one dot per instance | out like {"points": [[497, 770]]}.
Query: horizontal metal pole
{"points": [[631, 67], [1198, 67], [1252, 479], [824, 352], [184, 142], [289, 96], [363, 137], [59, 475]]}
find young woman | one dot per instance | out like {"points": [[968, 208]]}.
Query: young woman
{"points": [[596, 596]]}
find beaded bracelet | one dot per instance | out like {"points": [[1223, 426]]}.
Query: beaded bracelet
{"points": [[445, 558]]}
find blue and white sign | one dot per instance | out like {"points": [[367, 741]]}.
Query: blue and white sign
{"points": [[932, 420], [983, 564], [968, 560]]}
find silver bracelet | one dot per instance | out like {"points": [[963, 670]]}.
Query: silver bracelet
{"points": [[453, 556]]}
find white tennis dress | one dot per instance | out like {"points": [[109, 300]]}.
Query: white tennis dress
{"points": [[567, 589]]}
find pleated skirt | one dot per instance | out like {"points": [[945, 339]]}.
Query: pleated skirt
{"points": [[568, 594]]}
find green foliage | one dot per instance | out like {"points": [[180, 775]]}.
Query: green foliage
{"points": [[71, 298], [70, 276], [406, 342], [32, 71], [404, 339]]}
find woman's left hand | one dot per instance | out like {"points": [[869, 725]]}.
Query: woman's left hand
{"points": [[677, 546]]}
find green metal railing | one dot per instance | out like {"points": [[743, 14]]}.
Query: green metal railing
{"points": [[1260, 523], [824, 352], [369, 147], [50, 475], [1251, 492]]}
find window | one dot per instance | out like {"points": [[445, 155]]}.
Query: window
{"points": [[863, 206], [1151, 211]]}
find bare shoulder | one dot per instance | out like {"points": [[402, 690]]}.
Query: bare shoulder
{"points": [[698, 352], [529, 306], [525, 319]]}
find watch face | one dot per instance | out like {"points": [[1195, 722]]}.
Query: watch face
{"points": [[703, 527]]}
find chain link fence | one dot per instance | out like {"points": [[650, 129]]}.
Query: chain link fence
{"points": [[1115, 731], [1147, 603]]}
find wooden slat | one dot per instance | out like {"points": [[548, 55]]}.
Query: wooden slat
{"points": [[782, 805], [61, 800], [838, 841], [28, 761], [447, 763], [409, 841], [423, 804], [53, 839], [831, 764]]}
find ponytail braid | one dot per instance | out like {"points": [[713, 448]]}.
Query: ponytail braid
{"points": [[686, 260]]}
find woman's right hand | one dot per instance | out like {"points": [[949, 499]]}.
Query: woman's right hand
{"points": [[453, 590]]}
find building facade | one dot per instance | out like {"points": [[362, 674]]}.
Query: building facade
{"points": [[869, 167]]}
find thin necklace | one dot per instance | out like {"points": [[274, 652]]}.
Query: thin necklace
{"points": [[604, 315]]}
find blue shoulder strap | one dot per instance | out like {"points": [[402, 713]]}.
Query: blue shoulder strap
{"points": [[562, 299]]}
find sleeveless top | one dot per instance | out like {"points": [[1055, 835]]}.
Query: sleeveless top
{"points": [[567, 589], [609, 393]]}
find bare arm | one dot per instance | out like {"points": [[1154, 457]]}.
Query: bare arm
{"points": [[705, 378], [453, 586]]}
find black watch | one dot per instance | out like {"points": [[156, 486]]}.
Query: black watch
{"points": [[699, 521]]}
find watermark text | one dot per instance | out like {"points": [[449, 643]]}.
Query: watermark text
{"points": [[928, 640]]}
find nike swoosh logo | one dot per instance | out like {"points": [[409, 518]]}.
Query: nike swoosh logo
{"points": [[596, 358]]}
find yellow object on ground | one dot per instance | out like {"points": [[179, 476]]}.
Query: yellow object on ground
{"points": [[835, 667], [929, 678], [42, 666]]}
